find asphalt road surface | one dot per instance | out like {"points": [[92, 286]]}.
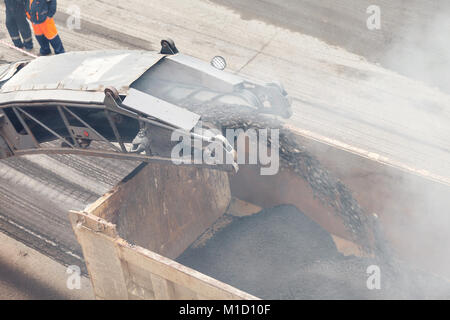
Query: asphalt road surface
{"points": [[415, 31], [26, 274]]}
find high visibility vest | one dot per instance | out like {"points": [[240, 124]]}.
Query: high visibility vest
{"points": [[39, 10]]}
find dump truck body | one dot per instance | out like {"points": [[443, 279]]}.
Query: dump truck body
{"points": [[160, 220]]}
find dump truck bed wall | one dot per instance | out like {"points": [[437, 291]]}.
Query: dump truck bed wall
{"points": [[119, 270], [412, 206], [164, 208]]}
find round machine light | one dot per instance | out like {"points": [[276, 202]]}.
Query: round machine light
{"points": [[219, 62]]}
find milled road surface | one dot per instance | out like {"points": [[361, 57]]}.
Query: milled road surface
{"points": [[282, 254], [36, 193], [344, 22], [412, 31]]}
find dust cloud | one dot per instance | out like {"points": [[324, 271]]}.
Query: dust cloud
{"points": [[423, 53]]}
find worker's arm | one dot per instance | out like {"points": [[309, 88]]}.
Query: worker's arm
{"points": [[51, 8]]}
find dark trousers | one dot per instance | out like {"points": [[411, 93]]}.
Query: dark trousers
{"points": [[17, 25], [45, 45], [46, 34]]}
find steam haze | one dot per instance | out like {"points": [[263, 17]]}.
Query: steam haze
{"points": [[424, 52]]}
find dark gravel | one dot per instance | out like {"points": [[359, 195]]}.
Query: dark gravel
{"points": [[282, 254]]}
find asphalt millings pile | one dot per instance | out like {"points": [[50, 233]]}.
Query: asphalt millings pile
{"points": [[280, 253]]}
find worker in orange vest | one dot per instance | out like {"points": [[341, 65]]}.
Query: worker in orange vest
{"points": [[40, 13]]}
